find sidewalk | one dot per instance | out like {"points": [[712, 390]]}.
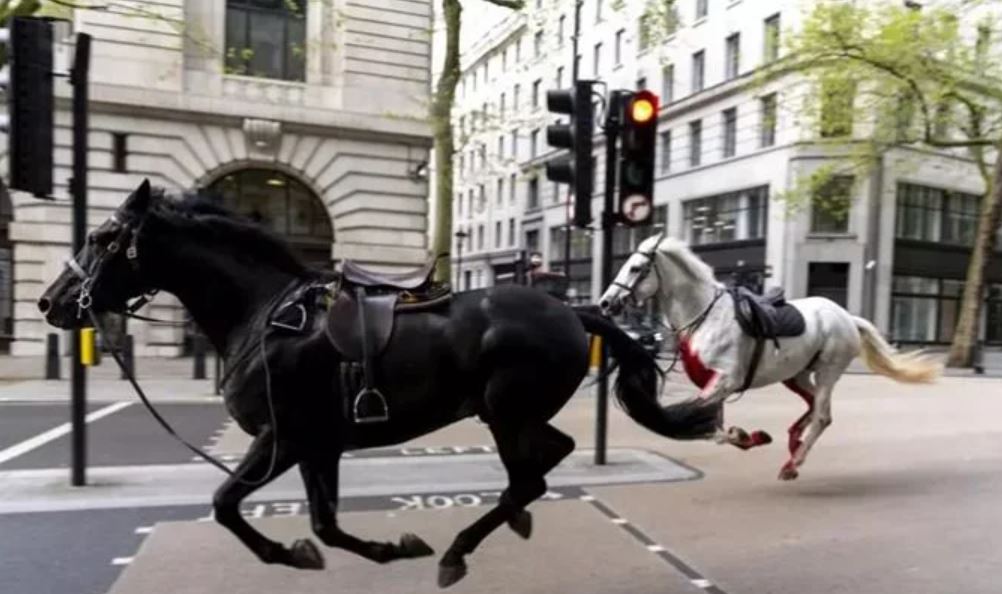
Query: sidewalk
{"points": [[163, 379]]}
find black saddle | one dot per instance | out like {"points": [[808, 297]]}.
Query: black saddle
{"points": [[408, 281], [360, 323], [766, 317]]}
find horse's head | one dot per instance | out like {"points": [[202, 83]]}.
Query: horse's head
{"points": [[637, 281], [104, 275]]}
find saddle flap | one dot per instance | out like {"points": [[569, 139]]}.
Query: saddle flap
{"points": [[345, 330], [768, 316]]}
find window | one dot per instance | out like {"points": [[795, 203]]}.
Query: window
{"points": [[266, 39], [830, 206], [702, 8], [560, 30], [532, 240], [560, 77], [730, 117], [537, 44], [668, 84], [504, 59], [501, 147], [518, 50], [514, 97], [499, 198], [597, 61], [497, 234], [732, 56], [698, 70], [924, 309], [770, 45], [119, 152], [536, 85], [695, 142], [512, 188], [641, 83], [598, 11], [481, 198], [666, 151], [532, 201], [555, 197], [619, 47], [480, 238], [767, 136], [580, 260], [514, 144], [734, 216], [511, 232], [836, 111], [534, 143], [459, 205], [919, 213], [502, 107], [829, 280]]}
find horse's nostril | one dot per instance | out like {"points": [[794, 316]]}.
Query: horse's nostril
{"points": [[604, 304], [44, 304]]}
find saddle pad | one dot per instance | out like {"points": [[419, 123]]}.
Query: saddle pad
{"points": [[344, 326]]}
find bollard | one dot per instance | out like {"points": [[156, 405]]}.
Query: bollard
{"points": [[198, 346], [128, 356], [52, 356]]}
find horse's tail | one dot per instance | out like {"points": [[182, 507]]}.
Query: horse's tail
{"points": [[914, 367], [637, 386]]}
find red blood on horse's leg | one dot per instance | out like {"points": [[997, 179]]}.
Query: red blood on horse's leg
{"points": [[694, 368], [797, 428]]}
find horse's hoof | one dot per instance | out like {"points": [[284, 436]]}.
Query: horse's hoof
{"points": [[450, 574], [305, 555], [761, 438], [521, 524], [788, 473], [412, 547]]}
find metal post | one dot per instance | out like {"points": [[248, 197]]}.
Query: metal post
{"points": [[461, 236], [612, 123], [219, 374], [52, 356], [574, 79], [79, 77], [198, 344], [128, 356]]}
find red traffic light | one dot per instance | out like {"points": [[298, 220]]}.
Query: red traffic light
{"points": [[643, 107]]}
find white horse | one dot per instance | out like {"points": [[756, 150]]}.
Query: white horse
{"points": [[717, 354]]}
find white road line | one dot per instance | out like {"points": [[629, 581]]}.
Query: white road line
{"points": [[144, 529], [41, 439], [619, 521], [587, 498], [701, 583], [655, 548], [121, 560]]}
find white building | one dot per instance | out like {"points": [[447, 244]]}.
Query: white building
{"points": [[309, 115], [727, 149]]}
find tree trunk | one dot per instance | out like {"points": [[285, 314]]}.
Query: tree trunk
{"points": [[441, 115], [966, 335]]}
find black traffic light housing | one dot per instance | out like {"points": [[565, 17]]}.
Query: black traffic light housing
{"points": [[29, 96], [636, 166], [577, 169]]}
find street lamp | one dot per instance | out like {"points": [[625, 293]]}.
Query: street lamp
{"points": [[461, 236]]}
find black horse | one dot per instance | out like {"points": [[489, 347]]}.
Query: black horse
{"points": [[512, 356]]}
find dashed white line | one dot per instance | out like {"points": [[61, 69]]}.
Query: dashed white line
{"points": [[587, 498], [122, 560], [144, 529], [55, 433], [655, 548], [701, 583], [620, 521]]}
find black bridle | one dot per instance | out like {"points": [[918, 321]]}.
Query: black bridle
{"points": [[642, 272], [126, 234]]}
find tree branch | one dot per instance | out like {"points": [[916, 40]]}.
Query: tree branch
{"points": [[70, 4], [512, 4]]}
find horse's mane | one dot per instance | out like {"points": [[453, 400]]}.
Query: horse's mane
{"points": [[199, 213], [683, 257]]}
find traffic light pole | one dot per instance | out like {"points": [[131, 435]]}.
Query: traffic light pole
{"points": [[78, 186], [574, 78], [612, 126]]}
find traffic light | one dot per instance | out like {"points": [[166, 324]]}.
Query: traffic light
{"points": [[27, 84], [636, 166], [576, 169]]}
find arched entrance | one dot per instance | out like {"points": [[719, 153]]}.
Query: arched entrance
{"points": [[282, 203], [6, 271]]}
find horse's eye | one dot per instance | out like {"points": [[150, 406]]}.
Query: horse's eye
{"points": [[635, 269]]}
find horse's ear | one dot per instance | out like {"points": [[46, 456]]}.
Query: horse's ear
{"points": [[139, 201]]}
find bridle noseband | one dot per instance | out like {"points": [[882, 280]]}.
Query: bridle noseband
{"points": [[88, 277]]}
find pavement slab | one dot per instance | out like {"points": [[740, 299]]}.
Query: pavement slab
{"points": [[574, 548]]}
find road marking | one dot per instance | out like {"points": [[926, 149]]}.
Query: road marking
{"points": [[55, 433], [661, 552], [144, 529], [122, 560]]}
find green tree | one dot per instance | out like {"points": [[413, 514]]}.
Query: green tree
{"points": [[441, 120], [882, 76]]}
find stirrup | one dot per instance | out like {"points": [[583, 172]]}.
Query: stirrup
{"points": [[370, 407]]}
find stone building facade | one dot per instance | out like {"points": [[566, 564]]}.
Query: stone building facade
{"points": [[309, 115]]}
